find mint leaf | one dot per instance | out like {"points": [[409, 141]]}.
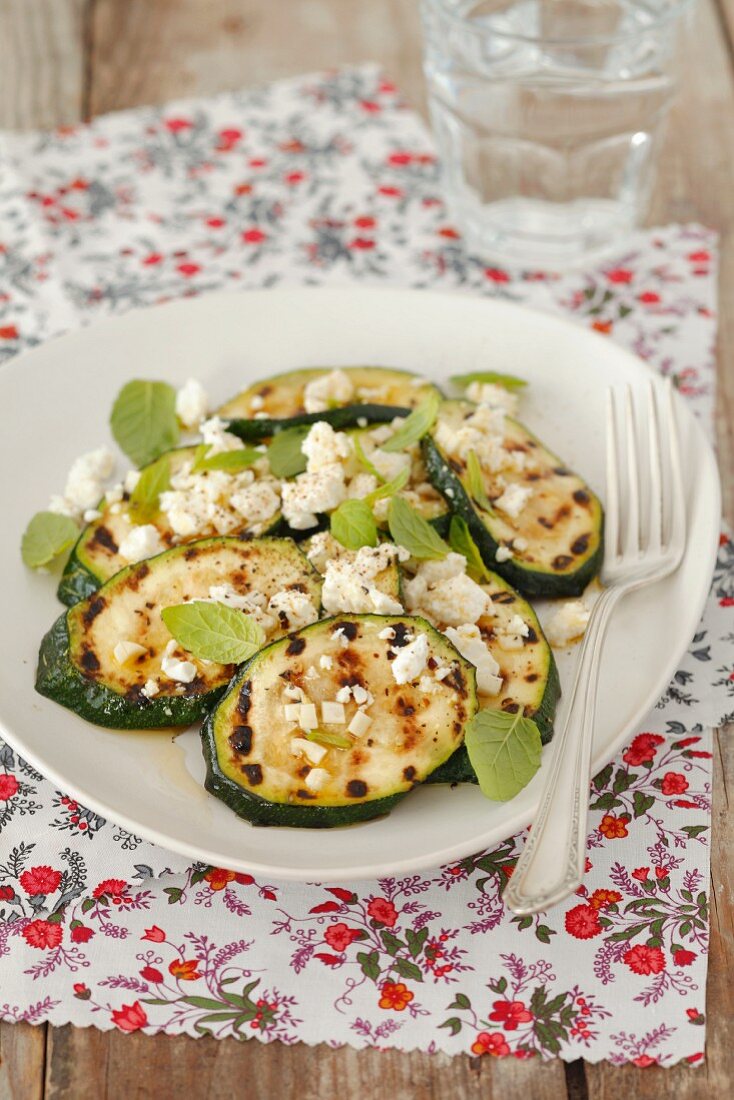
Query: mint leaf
{"points": [[46, 537], [390, 488], [229, 461], [460, 540], [504, 751], [145, 497], [213, 631], [362, 457], [353, 525], [329, 740], [143, 420], [411, 530], [285, 455], [475, 482], [507, 381], [415, 426]]}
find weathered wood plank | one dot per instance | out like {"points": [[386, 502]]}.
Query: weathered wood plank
{"points": [[22, 1055], [88, 1065], [148, 51], [41, 62]]}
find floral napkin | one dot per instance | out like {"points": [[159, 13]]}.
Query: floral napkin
{"points": [[329, 179]]}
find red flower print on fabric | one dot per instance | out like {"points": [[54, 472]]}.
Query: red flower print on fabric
{"points": [[642, 749], [110, 887], [185, 970], [510, 1014], [154, 934], [40, 880], [645, 960], [340, 935], [43, 934], [81, 934], [583, 922], [614, 828], [130, 1017], [382, 910], [490, 1042], [674, 783], [8, 783], [681, 957], [395, 996]]}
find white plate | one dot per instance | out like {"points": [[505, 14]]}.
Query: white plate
{"points": [[56, 401]]}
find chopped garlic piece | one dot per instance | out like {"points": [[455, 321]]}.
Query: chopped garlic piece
{"points": [[292, 712], [125, 650], [307, 717], [333, 713], [360, 723], [316, 779], [314, 753]]}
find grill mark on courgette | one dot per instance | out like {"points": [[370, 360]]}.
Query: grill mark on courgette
{"points": [[94, 607], [357, 788], [581, 545], [295, 647], [254, 774], [103, 537], [241, 740], [90, 661]]}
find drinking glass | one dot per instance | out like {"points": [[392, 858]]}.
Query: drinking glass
{"points": [[548, 115]]}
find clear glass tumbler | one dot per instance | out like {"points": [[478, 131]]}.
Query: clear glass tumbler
{"points": [[548, 115]]}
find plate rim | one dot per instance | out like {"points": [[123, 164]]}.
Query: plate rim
{"points": [[514, 822]]}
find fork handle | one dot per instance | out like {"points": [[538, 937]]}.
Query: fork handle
{"points": [[551, 865]]}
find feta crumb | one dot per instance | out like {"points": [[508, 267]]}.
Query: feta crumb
{"points": [[511, 636], [470, 644], [258, 502], [257, 402], [410, 660], [183, 672], [333, 713], [91, 515], [316, 779], [389, 464], [142, 542], [350, 582], [307, 717], [125, 650], [387, 634], [291, 691], [293, 609], [520, 544], [314, 753], [85, 483], [513, 499], [323, 447], [360, 723], [362, 421], [361, 696], [192, 403], [568, 623], [454, 601], [132, 477], [344, 694], [218, 439], [311, 493], [497, 397], [326, 662], [428, 685], [338, 635], [503, 553], [318, 394], [150, 689]]}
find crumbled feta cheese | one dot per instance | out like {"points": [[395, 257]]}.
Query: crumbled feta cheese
{"points": [[150, 689], [387, 634], [454, 601], [312, 493], [339, 636], [389, 464], [258, 502], [293, 609], [192, 403], [513, 499], [91, 515], [497, 397], [307, 717], [215, 435], [333, 713], [291, 691], [183, 672], [568, 623], [257, 402], [314, 753], [471, 645], [343, 695], [125, 650], [381, 434], [316, 779], [503, 553], [453, 565], [142, 542], [520, 544], [292, 712], [362, 421], [261, 416], [428, 685], [62, 507], [362, 696], [85, 483], [442, 672], [320, 393], [114, 494], [410, 660], [323, 447], [350, 582], [326, 662], [360, 723], [361, 486], [511, 636], [132, 477]]}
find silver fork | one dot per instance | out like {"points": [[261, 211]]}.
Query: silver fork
{"points": [[645, 537]]}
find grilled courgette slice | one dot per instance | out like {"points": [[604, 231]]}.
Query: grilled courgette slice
{"points": [[96, 555], [254, 748], [286, 400], [78, 665], [530, 681], [555, 539]]}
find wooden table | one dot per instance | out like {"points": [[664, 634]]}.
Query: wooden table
{"points": [[66, 60]]}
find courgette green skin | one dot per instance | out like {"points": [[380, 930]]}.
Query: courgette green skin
{"points": [[348, 416], [259, 811], [77, 581], [458, 769], [522, 576], [59, 679]]}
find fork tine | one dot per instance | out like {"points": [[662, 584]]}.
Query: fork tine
{"points": [[631, 540], [654, 533], [611, 513], [677, 516]]}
